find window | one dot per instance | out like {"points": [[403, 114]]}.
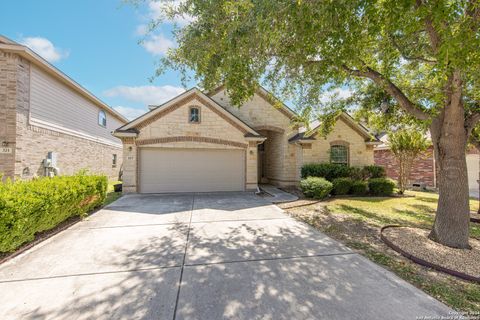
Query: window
{"points": [[339, 154], [102, 118], [194, 116], [114, 160]]}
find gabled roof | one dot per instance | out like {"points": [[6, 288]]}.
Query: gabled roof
{"points": [[359, 128], [165, 108], [267, 96], [7, 45]]}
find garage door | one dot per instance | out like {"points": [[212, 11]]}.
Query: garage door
{"points": [[191, 170]]}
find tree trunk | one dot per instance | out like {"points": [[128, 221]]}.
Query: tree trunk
{"points": [[449, 137], [451, 226]]}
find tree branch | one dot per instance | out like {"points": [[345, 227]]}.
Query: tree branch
{"points": [[391, 89], [431, 31], [473, 11], [472, 121], [408, 57]]}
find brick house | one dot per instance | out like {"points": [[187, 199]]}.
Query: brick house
{"points": [[423, 174], [200, 142], [45, 113]]}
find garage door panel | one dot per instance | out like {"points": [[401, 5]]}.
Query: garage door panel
{"points": [[191, 170]]}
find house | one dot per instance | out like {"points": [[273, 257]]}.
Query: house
{"points": [[200, 142], [44, 114], [423, 173]]}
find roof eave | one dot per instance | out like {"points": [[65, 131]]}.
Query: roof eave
{"points": [[31, 56]]}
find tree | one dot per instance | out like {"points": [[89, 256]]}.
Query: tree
{"points": [[421, 54], [406, 146]]}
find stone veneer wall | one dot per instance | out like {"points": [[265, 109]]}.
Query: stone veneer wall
{"points": [[173, 130], [422, 171], [31, 143], [9, 63], [360, 154]]}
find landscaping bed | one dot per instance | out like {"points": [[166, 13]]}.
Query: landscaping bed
{"points": [[415, 245], [356, 222], [33, 211]]}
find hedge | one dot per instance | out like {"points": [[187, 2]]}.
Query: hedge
{"points": [[315, 187], [328, 171], [29, 207], [332, 171], [381, 186], [342, 186], [359, 188]]}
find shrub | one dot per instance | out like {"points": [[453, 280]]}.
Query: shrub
{"points": [[315, 187], [373, 172], [29, 207], [359, 188], [342, 186], [328, 171], [381, 186]]}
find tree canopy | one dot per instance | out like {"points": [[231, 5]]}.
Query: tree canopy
{"points": [[408, 48], [410, 61]]}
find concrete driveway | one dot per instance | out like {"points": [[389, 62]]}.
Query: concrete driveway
{"points": [[201, 256]]}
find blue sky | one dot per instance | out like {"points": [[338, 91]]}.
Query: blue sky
{"points": [[96, 43]]}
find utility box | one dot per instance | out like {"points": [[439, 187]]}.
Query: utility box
{"points": [[52, 156]]}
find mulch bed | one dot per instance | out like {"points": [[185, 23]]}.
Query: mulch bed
{"points": [[415, 245]]}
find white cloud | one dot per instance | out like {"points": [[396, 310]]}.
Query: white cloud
{"points": [[156, 10], [145, 94], [44, 48], [130, 113], [157, 44], [338, 93]]}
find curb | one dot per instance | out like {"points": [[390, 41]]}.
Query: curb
{"points": [[421, 261]]}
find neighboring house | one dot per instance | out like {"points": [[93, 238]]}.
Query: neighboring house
{"points": [[423, 174], [199, 142], [45, 114]]}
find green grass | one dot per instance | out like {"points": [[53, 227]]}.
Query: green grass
{"points": [[356, 221], [112, 195], [415, 210]]}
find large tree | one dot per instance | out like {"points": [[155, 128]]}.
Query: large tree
{"points": [[423, 55]]}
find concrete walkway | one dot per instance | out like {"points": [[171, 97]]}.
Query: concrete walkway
{"points": [[278, 196], [201, 256]]}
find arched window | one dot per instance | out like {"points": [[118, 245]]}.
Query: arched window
{"points": [[339, 154], [102, 118]]}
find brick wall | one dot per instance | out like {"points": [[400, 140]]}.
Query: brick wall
{"points": [[31, 143], [422, 170], [8, 104]]}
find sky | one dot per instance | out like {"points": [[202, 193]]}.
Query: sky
{"points": [[95, 42]]}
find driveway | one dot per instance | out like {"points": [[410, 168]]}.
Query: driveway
{"points": [[201, 256]]}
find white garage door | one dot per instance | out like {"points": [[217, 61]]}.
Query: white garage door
{"points": [[191, 170]]}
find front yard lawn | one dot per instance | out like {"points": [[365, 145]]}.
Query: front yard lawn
{"points": [[357, 222]]}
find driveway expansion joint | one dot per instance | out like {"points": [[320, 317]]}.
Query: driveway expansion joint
{"points": [[89, 274], [184, 258], [272, 259]]}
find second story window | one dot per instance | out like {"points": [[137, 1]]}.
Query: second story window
{"points": [[194, 115], [102, 118]]}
